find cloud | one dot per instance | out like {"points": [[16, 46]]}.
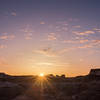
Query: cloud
{"points": [[2, 46], [73, 19], [69, 41], [13, 14], [96, 42], [54, 63], [61, 26], [63, 64], [45, 63], [28, 36], [53, 53], [75, 41], [46, 51], [85, 46], [27, 29], [96, 29], [91, 44], [64, 50], [86, 33], [64, 23], [77, 26], [28, 33], [42, 23], [84, 41], [52, 36], [7, 37]]}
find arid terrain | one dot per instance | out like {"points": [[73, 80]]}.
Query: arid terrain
{"points": [[50, 87]]}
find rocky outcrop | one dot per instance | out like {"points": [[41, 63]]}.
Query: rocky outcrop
{"points": [[95, 72]]}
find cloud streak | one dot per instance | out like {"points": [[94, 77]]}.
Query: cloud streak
{"points": [[76, 41], [7, 37], [2, 46], [52, 36], [46, 51], [13, 14], [85, 33], [28, 36]]}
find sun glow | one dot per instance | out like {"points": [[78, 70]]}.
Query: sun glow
{"points": [[41, 75]]}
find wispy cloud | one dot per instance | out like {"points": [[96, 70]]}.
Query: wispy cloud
{"points": [[86, 33], [46, 51], [84, 41], [64, 50], [69, 41], [76, 41], [28, 36], [85, 46], [45, 63], [97, 29], [52, 36], [28, 33], [73, 19], [7, 37], [50, 64], [77, 26], [53, 53], [13, 13], [42, 22], [91, 44], [2, 46], [62, 27]]}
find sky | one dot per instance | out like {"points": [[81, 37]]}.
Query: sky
{"points": [[49, 36]]}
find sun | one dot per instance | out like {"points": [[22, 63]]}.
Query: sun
{"points": [[41, 75]]}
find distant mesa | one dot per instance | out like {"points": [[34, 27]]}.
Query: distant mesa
{"points": [[95, 72], [2, 75]]}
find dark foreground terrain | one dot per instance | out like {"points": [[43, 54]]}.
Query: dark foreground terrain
{"points": [[50, 87]]}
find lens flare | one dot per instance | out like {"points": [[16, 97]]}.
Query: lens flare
{"points": [[41, 75]]}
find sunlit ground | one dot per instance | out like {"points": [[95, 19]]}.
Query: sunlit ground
{"points": [[42, 81], [42, 85]]}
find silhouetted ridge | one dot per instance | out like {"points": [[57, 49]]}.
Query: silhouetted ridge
{"points": [[51, 87], [95, 72]]}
